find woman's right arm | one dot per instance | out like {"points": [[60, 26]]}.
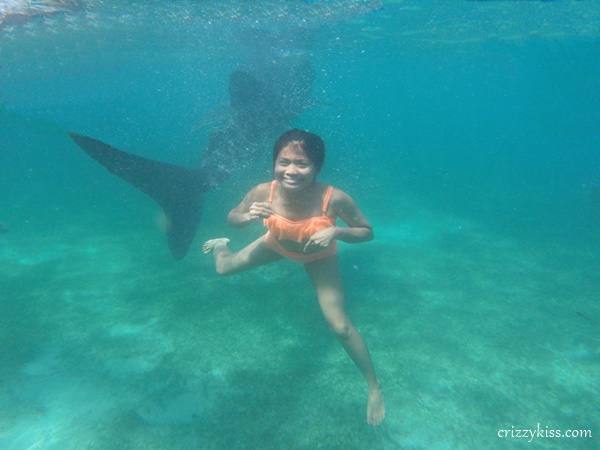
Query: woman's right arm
{"points": [[251, 208]]}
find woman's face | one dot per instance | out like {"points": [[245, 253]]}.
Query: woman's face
{"points": [[293, 169]]}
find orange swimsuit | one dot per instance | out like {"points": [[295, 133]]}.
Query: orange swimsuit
{"points": [[299, 231]]}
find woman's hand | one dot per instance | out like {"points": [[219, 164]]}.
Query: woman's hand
{"points": [[259, 210], [321, 239]]}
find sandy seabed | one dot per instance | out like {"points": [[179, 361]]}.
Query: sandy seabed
{"points": [[109, 344]]}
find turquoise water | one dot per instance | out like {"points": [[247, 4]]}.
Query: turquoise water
{"points": [[468, 134]]}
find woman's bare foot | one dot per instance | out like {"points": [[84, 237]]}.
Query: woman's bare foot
{"points": [[375, 407], [213, 245]]}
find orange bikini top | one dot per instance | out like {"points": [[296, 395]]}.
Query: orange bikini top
{"points": [[299, 230]]}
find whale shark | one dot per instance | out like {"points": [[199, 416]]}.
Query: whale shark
{"points": [[262, 103]]}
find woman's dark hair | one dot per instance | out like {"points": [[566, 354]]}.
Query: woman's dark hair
{"points": [[313, 145]]}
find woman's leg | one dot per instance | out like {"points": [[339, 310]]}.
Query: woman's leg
{"points": [[226, 262], [326, 278]]}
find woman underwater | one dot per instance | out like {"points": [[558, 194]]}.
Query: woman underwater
{"points": [[299, 214]]}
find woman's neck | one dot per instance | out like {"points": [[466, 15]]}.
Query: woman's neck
{"points": [[298, 196]]}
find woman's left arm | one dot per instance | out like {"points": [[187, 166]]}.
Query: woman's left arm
{"points": [[358, 229]]}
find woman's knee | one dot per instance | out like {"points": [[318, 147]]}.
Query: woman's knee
{"points": [[343, 329]]}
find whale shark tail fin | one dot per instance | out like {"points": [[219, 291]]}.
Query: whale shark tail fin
{"points": [[176, 189]]}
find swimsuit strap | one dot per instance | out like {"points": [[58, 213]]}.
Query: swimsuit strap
{"points": [[326, 198], [271, 191]]}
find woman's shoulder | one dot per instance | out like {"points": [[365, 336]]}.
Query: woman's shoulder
{"points": [[260, 192], [339, 200], [338, 196], [263, 187]]}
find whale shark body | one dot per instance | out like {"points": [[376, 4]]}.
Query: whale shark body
{"points": [[264, 98], [260, 109]]}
